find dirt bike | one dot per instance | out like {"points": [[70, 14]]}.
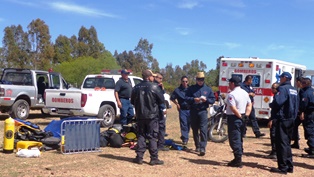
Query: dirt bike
{"points": [[217, 123]]}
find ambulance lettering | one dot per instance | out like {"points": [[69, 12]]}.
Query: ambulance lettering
{"points": [[258, 91]]}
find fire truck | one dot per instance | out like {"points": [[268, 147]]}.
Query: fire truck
{"points": [[265, 72]]}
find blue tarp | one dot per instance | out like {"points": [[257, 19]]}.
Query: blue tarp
{"points": [[55, 125]]}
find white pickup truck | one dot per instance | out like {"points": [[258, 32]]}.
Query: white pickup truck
{"points": [[95, 98]]}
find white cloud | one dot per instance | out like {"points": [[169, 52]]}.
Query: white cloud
{"points": [[277, 47], [25, 3], [183, 31], [229, 45], [188, 4], [79, 9], [1, 19]]}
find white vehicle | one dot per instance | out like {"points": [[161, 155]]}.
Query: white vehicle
{"points": [[95, 98], [265, 72]]}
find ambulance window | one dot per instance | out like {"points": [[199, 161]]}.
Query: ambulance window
{"points": [[238, 75], [256, 80]]}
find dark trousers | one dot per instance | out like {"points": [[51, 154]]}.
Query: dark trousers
{"points": [[126, 112], [297, 123], [147, 129], [272, 132], [253, 120], [284, 131], [199, 125], [235, 134], [162, 130], [185, 124], [309, 129]]}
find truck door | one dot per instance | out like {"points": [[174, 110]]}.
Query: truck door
{"points": [[57, 81]]}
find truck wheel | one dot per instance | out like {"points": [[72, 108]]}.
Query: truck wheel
{"points": [[106, 112], [20, 110]]}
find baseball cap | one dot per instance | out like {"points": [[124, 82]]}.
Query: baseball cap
{"points": [[124, 71], [286, 75], [235, 79], [307, 77]]}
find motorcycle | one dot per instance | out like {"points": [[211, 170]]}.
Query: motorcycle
{"points": [[217, 122]]}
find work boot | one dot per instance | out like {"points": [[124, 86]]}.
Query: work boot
{"points": [[202, 152], [236, 162], [138, 161], [310, 151], [156, 162], [295, 145], [277, 170], [260, 134], [272, 155]]}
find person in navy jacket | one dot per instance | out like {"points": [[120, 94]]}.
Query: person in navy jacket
{"points": [[285, 106], [199, 96]]}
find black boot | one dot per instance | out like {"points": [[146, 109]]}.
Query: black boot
{"points": [[295, 145], [272, 155], [236, 162]]}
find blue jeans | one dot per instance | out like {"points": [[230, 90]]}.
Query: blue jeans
{"points": [[199, 125], [185, 124], [126, 112]]}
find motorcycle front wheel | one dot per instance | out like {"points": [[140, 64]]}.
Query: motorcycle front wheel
{"points": [[218, 135]]}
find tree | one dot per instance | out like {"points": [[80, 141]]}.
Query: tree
{"points": [[143, 51], [42, 48], [16, 45], [63, 49]]}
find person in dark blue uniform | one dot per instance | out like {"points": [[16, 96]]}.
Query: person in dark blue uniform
{"points": [[146, 98], [307, 114], [162, 114], [298, 121], [284, 105], [247, 86], [272, 125], [122, 92], [178, 98], [199, 96], [238, 107]]}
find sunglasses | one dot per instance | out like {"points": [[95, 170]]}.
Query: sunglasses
{"points": [[185, 81], [200, 79]]}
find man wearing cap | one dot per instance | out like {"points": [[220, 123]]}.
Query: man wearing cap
{"points": [[285, 106], [146, 98], [247, 86], [122, 92], [307, 114], [199, 96], [238, 107]]}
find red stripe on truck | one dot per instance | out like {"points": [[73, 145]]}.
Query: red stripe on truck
{"points": [[258, 91]]}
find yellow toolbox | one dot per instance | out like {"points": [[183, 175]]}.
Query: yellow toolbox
{"points": [[28, 144]]}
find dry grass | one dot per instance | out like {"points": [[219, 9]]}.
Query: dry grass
{"points": [[118, 162]]}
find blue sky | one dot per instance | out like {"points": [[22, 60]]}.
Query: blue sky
{"points": [[181, 30]]}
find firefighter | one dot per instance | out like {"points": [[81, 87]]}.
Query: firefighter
{"points": [[247, 86], [284, 104], [307, 114]]}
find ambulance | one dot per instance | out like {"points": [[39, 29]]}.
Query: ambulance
{"points": [[265, 72]]}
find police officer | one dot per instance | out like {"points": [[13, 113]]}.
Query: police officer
{"points": [[247, 86], [238, 107], [178, 98], [272, 125], [298, 121], [307, 114], [146, 98], [162, 113], [284, 104], [199, 96], [122, 92]]}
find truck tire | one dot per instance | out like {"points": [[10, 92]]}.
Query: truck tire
{"points": [[106, 112], [20, 110]]}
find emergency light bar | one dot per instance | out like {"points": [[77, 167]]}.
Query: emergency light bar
{"points": [[114, 71]]}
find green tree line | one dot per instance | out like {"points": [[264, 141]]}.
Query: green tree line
{"points": [[77, 56]]}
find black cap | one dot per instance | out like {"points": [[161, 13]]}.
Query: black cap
{"points": [[235, 79]]}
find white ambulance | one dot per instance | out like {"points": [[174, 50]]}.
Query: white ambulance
{"points": [[265, 72]]}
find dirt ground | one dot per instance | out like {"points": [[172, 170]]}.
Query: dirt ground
{"points": [[118, 161]]}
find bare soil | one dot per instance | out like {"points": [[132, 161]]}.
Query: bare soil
{"points": [[118, 161]]}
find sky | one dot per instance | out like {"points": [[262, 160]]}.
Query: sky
{"points": [[180, 30]]}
